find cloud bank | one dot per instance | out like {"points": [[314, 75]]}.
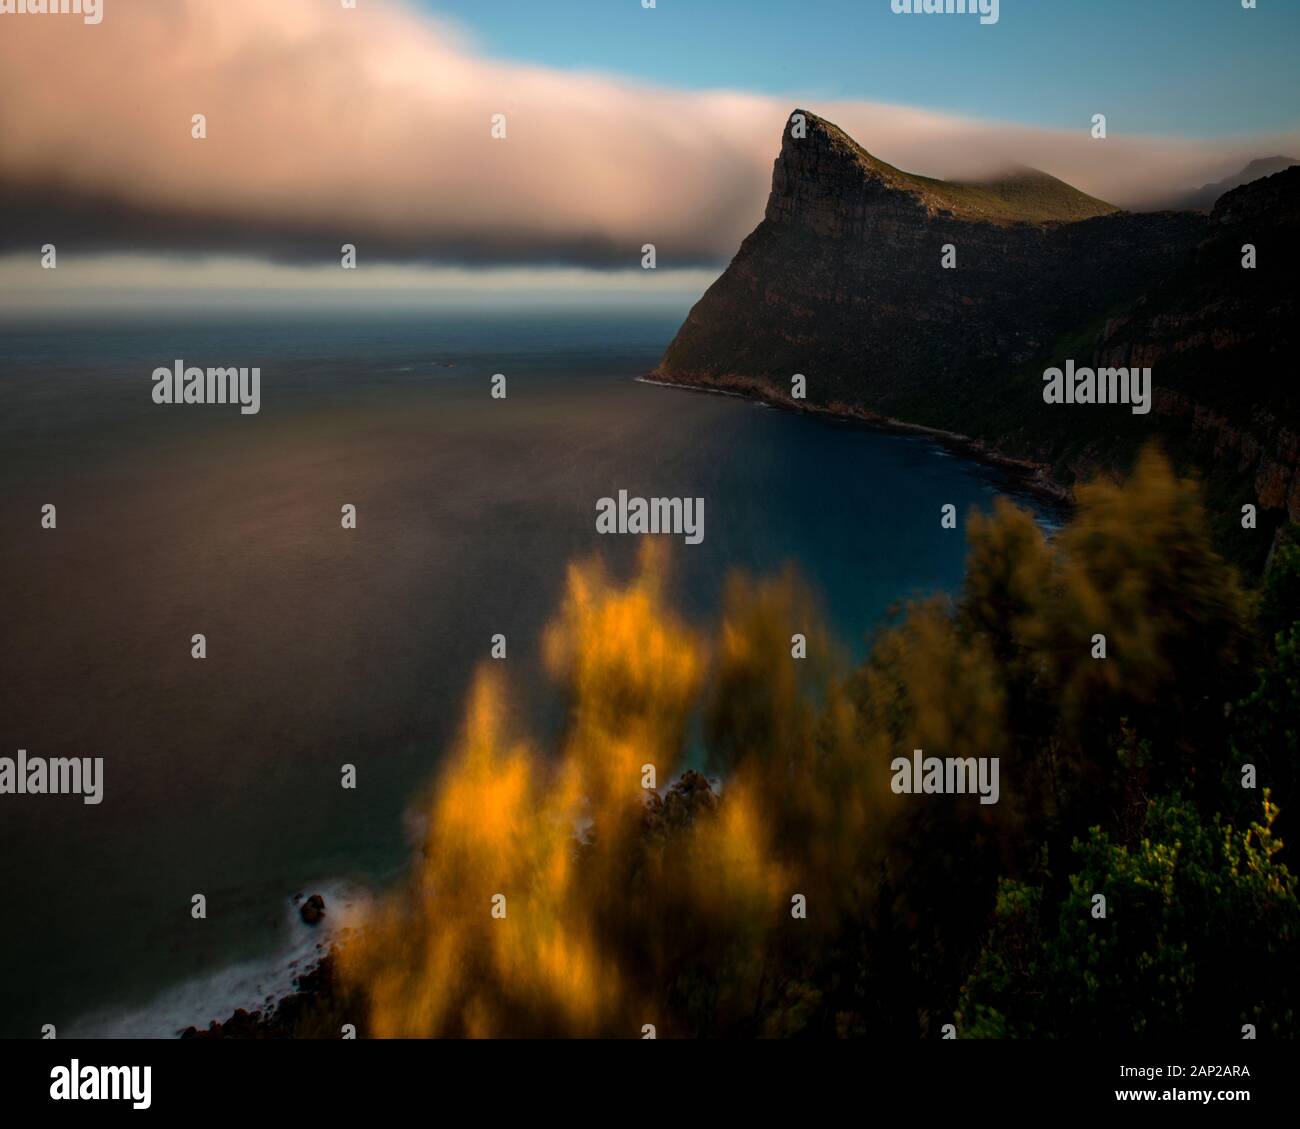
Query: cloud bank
{"points": [[373, 126]]}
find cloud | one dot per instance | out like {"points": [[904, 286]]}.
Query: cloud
{"points": [[159, 283], [373, 126]]}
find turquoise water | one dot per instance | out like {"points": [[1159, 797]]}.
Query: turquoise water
{"points": [[328, 647]]}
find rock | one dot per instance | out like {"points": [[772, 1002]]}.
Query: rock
{"points": [[313, 909], [285, 1020], [842, 282]]}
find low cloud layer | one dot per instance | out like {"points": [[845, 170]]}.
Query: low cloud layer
{"points": [[373, 126]]}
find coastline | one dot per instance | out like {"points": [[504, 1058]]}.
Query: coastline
{"points": [[262, 996], [1035, 478], [310, 990]]}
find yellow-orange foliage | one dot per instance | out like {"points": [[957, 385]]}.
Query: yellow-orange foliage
{"points": [[605, 908], [504, 820]]}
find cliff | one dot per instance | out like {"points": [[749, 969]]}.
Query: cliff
{"points": [[1204, 198], [843, 282]]}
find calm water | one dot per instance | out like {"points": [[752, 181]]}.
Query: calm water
{"points": [[326, 647]]}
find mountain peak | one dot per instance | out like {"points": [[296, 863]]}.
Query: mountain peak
{"points": [[823, 177], [849, 276]]}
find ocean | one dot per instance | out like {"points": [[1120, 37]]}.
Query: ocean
{"points": [[328, 646]]}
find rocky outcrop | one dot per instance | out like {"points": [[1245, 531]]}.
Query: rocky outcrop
{"points": [[312, 1010], [1221, 339], [313, 909], [843, 282], [1205, 197]]}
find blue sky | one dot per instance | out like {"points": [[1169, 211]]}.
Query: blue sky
{"points": [[1190, 68]]}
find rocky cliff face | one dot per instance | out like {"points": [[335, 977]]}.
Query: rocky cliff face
{"points": [[1204, 198], [843, 283], [1222, 340]]}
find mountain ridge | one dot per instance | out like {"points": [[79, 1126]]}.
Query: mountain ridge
{"points": [[843, 282], [1025, 195], [1207, 195]]}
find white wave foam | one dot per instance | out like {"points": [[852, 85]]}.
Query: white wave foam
{"points": [[252, 985]]}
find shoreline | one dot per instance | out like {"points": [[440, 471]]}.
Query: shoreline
{"points": [[1034, 477], [313, 984], [259, 995]]}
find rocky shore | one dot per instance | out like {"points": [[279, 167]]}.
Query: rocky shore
{"points": [[1034, 477], [314, 1009], [294, 1016]]}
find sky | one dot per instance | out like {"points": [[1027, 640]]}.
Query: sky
{"points": [[1193, 68], [625, 126]]}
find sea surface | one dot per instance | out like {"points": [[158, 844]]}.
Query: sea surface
{"points": [[326, 646]]}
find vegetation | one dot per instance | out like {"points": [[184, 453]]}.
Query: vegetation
{"points": [[1121, 777], [1022, 195]]}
